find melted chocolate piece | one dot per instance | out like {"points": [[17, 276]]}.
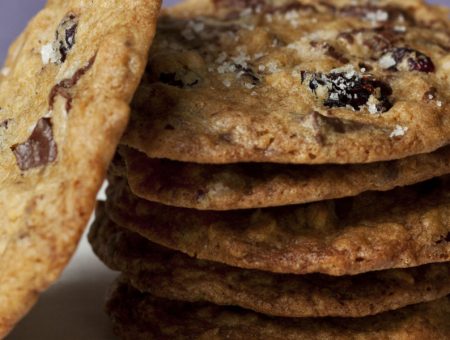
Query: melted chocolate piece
{"points": [[39, 150], [64, 86], [408, 59], [65, 35], [349, 89]]}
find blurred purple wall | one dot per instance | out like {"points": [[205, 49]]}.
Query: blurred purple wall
{"points": [[15, 13]]}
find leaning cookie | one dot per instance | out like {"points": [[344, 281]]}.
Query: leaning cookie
{"points": [[258, 185], [64, 98], [140, 316], [401, 228], [176, 276]]}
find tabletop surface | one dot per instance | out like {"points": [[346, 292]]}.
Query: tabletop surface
{"points": [[73, 308]]}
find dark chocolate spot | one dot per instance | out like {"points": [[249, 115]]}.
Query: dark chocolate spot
{"points": [[64, 86], [408, 59], [349, 89], [39, 150], [65, 36]]}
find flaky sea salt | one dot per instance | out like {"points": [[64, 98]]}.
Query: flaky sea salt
{"points": [[387, 61], [48, 54], [399, 131]]}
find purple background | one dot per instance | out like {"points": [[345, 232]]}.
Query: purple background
{"points": [[15, 13]]}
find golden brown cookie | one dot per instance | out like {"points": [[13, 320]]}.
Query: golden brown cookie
{"points": [[64, 99], [255, 185], [140, 316], [404, 227], [173, 275], [295, 82]]}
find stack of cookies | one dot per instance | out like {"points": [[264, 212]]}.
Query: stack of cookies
{"points": [[284, 175]]}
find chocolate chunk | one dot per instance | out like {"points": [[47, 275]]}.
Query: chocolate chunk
{"points": [[64, 38], [406, 59], [64, 86], [65, 35], [342, 89], [39, 150]]}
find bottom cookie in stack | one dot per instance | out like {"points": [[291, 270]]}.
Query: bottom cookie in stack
{"points": [[141, 316], [166, 294]]}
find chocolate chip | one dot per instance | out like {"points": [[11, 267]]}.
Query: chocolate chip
{"points": [[64, 86], [39, 150], [406, 59], [65, 37], [342, 89]]}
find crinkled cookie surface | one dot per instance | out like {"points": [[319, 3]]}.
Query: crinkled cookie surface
{"points": [[176, 276], [295, 82], [402, 228]]}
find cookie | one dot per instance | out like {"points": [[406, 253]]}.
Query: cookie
{"points": [[64, 99], [138, 316], [295, 82], [255, 185], [405, 227], [173, 275]]}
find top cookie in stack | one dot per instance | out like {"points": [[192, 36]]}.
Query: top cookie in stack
{"points": [[267, 143], [290, 82]]}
